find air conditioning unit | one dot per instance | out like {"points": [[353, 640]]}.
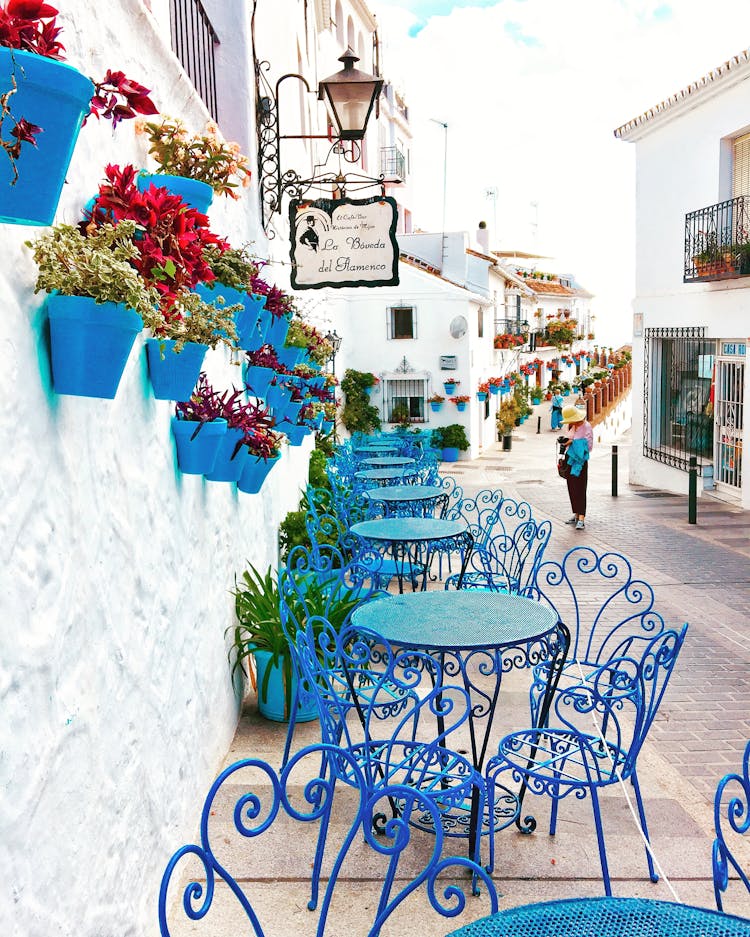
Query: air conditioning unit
{"points": [[448, 362]]}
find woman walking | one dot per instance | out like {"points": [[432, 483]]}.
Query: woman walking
{"points": [[579, 442], [556, 412]]}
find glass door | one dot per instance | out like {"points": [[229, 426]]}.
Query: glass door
{"points": [[728, 422]]}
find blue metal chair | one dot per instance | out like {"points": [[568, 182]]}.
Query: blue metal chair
{"points": [[359, 679], [508, 562], [731, 823], [480, 512], [606, 609], [272, 809], [598, 727]]}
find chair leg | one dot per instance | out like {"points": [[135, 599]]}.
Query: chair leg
{"points": [[600, 839], [291, 726], [652, 874]]}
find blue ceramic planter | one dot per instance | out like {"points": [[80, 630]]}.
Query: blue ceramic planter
{"points": [[435, 407], [278, 397], [197, 444], [295, 434], [195, 194], [230, 460], [272, 703], [461, 406], [494, 390], [289, 357], [55, 97], [277, 331], [291, 412], [257, 380], [450, 387], [327, 427], [255, 473], [253, 337], [90, 344], [450, 454], [173, 376], [481, 396]]}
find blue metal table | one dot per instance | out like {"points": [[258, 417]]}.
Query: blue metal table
{"points": [[607, 917], [411, 542], [387, 461], [387, 476], [478, 637], [409, 500]]}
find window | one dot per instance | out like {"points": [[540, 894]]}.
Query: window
{"points": [[194, 42], [678, 370], [406, 398], [741, 166], [402, 322]]}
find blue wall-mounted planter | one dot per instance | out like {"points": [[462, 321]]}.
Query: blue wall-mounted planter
{"points": [[197, 444], [257, 380], [173, 376], [450, 387], [193, 192], [461, 406], [277, 331], [494, 389], [291, 412], [55, 97], [481, 396], [253, 336], [90, 344], [230, 459], [278, 397], [294, 433], [436, 406], [255, 473], [326, 427], [271, 705], [289, 357]]}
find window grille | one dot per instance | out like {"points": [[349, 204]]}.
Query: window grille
{"points": [[677, 376], [194, 43], [406, 396], [402, 322]]}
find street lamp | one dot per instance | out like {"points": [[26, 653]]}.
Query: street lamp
{"points": [[350, 96], [335, 340]]}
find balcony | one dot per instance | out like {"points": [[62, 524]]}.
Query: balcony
{"points": [[510, 327], [392, 163], [717, 241], [194, 42]]}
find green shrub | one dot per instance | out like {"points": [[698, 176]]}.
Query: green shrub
{"points": [[358, 414], [452, 436]]}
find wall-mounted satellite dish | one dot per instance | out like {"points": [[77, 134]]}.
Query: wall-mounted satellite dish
{"points": [[459, 326]]}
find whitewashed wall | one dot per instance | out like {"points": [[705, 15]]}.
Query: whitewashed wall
{"points": [[116, 702]]}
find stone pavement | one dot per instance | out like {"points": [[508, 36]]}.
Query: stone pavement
{"points": [[701, 574]]}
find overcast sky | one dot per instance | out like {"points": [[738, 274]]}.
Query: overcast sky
{"points": [[532, 91]]}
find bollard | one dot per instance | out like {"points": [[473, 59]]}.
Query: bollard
{"points": [[614, 471], [692, 490], [538, 425]]}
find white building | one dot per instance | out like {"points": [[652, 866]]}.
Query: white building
{"points": [[690, 379]]}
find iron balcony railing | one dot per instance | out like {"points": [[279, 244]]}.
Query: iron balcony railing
{"points": [[717, 241], [392, 162], [509, 327], [194, 42]]}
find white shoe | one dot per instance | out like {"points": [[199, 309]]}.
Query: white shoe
{"points": [[572, 520], [580, 525]]}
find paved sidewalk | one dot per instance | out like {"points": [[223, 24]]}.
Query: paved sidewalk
{"points": [[701, 574]]}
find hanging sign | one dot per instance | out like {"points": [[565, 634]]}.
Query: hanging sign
{"points": [[344, 242]]}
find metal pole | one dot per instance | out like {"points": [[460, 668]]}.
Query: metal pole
{"points": [[614, 471], [692, 490], [538, 425]]}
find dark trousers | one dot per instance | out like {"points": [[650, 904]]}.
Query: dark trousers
{"points": [[577, 490]]}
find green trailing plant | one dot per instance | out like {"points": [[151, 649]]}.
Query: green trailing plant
{"points": [[197, 321], [98, 266], [234, 267], [452, 436], [358, 414]]}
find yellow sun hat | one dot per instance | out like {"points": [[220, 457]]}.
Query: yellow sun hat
{"points": [[572, 414]]}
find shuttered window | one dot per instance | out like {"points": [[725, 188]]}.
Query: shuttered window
{"points": [[402, 322], [741, 166]]}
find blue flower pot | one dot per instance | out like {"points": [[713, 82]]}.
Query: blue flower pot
{"points": [[244, 319], [173, 376], [435, 406], [90, 344], [197, 444], [255, 473], [289, 357], [327, 427], [295, 434], [193, 192], [291, 412], [461, 406], [481, 396], [494, 390], [450, 387], [278, 397], [450, 454], [257, 380], [253, 335], [230, 460], [271, 703], [55, 97], [318, 382], [277, 331]]}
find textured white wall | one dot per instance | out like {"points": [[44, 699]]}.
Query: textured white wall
{"points": [[116, 706]]}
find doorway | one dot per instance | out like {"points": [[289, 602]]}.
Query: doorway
{"points": [[728, 424]]}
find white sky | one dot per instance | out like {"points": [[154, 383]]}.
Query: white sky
{"points": [[532, 91]]}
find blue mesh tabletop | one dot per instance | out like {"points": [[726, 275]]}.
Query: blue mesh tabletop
{"points": [[403, 493], [607, 917], [452, 620], [383, 473], [378, 447], [386, 461], [408, 529]]}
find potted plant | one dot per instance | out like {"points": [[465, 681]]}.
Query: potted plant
{"points": [[495, 384], [450, 439], [264, 447], [400, 414], [198, 427], [460, 401], [259, 633], [370, 382], [44, 104], [279, 309], [483, 391], [97, 305], [233, 269], [450, 386], [436, 402], [261, 367], [505, 419], [194, 166]]}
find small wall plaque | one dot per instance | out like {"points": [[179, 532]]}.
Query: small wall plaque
{"points": [[448, 362]]}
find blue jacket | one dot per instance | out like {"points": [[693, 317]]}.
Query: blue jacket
{"points": [[577, 453]]}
